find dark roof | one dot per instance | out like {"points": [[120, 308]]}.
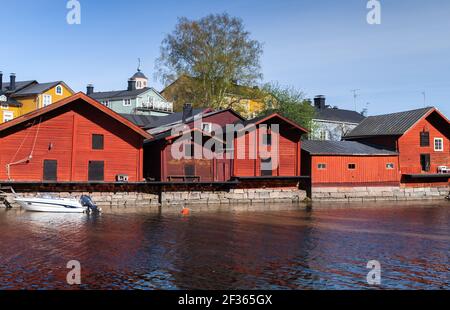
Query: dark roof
{"points": [[171, 118], [138, 75], [141, 120], [394, 124], [338, 115], [19, 85], [117, 94], [36, 89], [342, 148]]}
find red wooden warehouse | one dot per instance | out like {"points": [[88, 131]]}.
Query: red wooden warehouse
{"points": [[348, 163], [74, 140], [421, 137], [283, 162]]}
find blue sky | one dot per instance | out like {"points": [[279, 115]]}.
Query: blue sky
{"points": [[319, 46]]}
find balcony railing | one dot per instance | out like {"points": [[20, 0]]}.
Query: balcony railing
{"points": [[162, 107]]}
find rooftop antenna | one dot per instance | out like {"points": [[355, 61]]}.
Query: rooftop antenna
{"points": [[139, 65], [424, 99], [355, 96]]}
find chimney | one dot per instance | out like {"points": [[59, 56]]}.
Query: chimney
{"points": [[187, 111], [319, 102], [89, 89], [1, 81], [12, 81], [131, 85]]}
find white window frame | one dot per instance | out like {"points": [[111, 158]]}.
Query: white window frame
{"points": [[8, 116], [43, 100], [125, 104], [442, 144], [321, 166], [209, 127], [59, 87]]}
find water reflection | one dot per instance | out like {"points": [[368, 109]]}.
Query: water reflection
{"points": [[299, 248]]}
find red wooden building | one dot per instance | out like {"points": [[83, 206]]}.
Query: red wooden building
{"points": [[348, 163], [74, 140], [283, 162], [421, 137]]}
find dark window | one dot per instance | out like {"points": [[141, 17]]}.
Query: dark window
{"points": [[390, 166], [96, 170], [322, 166], [50, 170], [267, 139], [266, 167], [424, 138], [189, 170], [97, 142], [352, 166], [425, 162]]}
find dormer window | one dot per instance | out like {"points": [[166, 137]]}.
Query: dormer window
{"points": [[59, 90]]}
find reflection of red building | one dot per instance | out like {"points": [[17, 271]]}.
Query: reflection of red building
{"points": [[75, 139], [421, 137], [348, 163]]}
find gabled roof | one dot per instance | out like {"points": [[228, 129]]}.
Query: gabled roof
{"points": [[262, 119], [38, 88], [339, 115], [79, 96], [394, 124], [342, 148], [19, 85], [174, 118]]}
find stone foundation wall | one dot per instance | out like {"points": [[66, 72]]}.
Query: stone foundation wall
{"points": [[355, 194], [137, 199], [235, 196]]}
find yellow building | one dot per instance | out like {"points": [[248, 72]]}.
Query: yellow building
{"points": [[19, 98]]}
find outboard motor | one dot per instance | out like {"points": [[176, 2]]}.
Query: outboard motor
{"points": [[86, 201]]}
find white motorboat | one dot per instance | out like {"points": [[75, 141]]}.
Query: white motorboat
{"points": [[57, 205]]}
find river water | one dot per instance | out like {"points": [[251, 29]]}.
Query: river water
{"points": [[323, 247]]}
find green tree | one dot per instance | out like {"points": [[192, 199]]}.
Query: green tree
{"points": [[216, 52], [289, 102]]}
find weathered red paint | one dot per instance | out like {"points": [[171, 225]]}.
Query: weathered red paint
{"points": [[63, 132]]}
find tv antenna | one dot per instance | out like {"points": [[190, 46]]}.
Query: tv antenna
{"points": [[355, 96], [424, 94]]}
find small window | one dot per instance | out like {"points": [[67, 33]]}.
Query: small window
{"points": [[96, 171], [126, 102], [207, 127], [8, 116], [438, 145], [266, 167], [105, 103], [267, 139], [47, 100], [59, 90], [424, 139], [322, 166], [390, 166], [98, 142], [351, 166]]}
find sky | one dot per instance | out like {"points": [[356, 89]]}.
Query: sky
{"points": [[320, 47]]}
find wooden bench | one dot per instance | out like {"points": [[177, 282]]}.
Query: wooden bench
{"points": [[183, 178]]}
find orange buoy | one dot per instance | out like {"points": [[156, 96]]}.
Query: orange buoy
{"points": [[185, 211]]}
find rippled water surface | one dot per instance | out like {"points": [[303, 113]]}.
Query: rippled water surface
{"points": [[319, 248]]}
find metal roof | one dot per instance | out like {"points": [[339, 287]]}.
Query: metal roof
{"points": [[395, 124], [141, 120], [118, 94], [19, 85], [338, 115], [138, 75], [342, 148], [36, 89]]}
